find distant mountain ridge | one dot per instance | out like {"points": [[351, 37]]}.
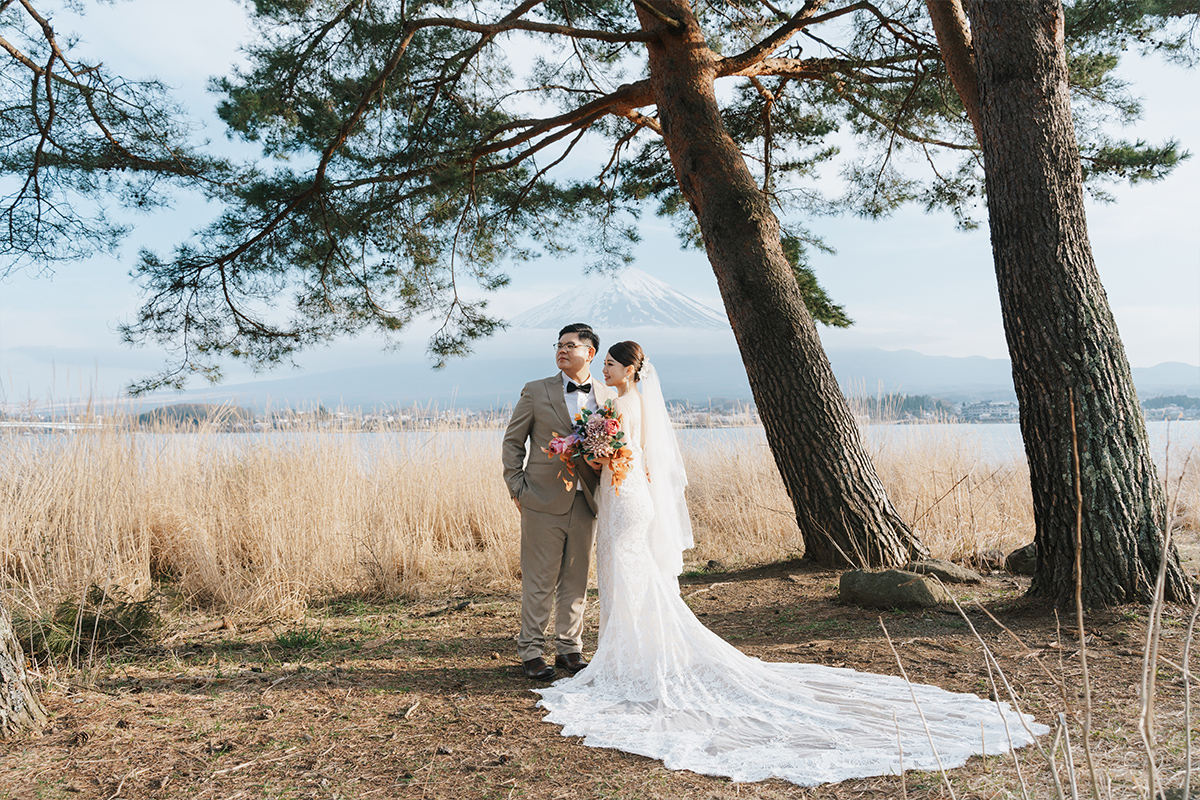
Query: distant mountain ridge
{"points": [[691, 344], [628, 299]]}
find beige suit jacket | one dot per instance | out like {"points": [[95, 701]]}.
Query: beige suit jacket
{"points": [[540, 414]]}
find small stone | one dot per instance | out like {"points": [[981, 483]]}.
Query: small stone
{"points": [[945, 571], [715, 566], [442, 750], [495, 656], [1022, 561], [991, 559], [1176, 793]]}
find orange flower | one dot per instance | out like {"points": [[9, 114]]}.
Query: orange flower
{"points": [[619, 463]]}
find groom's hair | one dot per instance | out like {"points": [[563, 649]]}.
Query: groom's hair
{"points": [[585, 333]]}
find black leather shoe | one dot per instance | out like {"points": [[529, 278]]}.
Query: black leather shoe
{"points": [[571, 662], [537, 669]]}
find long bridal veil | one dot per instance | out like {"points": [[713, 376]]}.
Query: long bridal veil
{"points": [[671, 526]]}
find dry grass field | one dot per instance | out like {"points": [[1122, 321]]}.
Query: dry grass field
{"points": [[243, 523], [337, 613]]}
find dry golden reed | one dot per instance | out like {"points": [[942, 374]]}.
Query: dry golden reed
{"points": [[266, 523]]}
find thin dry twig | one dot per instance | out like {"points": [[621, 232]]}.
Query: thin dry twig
{"points": [[1087, 681], [1187, 702], [920, 711], [989, 661]]}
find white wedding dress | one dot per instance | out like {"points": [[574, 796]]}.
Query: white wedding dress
{"points": [[662, 685]]}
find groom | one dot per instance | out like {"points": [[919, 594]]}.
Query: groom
{"points": [[557, 523]]}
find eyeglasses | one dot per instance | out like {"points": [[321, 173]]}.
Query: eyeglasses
{"points": [[570, 347]]}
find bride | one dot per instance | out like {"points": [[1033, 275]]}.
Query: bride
{"points": [[664, 686]]}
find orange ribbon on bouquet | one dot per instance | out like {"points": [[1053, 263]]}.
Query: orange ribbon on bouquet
{"points": [[559, 449]]}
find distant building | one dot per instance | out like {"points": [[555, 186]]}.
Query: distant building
{"points": [[1172, 407], [987, 411]]}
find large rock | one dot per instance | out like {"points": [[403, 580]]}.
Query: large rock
{"points": [[893, 588], [944, 571], [1022, 561]]}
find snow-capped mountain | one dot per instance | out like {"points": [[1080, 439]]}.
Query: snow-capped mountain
{"points": [[628, 299]]}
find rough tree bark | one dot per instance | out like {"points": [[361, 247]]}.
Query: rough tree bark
{"points": [[844, 513], [1061, 333], [20, 708]]}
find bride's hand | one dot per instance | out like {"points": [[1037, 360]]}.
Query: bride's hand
{"points": [[596, 464]]}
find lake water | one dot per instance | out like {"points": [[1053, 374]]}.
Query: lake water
{"points": [[995, 443]]}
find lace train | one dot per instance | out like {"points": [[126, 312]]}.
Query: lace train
{"points": [[664, 686]]}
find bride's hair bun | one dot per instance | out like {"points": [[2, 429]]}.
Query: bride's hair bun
{"points": [[629, 354]]}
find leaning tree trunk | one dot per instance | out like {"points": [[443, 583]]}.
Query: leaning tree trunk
{"points": [[1061, 334], [843, 511], [20, 708]]}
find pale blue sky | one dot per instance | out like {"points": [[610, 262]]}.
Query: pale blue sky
{"points": [[911, 282]]}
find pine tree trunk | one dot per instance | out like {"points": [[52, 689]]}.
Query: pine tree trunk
{"points": [[20, 708], [954, 41], [843, 511], [1061, 334]]}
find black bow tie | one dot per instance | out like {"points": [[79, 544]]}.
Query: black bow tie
{"points": [[580, 387]]}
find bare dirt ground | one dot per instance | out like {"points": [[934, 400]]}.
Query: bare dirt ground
{"points": [[416, 700]]}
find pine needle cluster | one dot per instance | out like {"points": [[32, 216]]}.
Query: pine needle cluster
{"points": [[105, 620]]}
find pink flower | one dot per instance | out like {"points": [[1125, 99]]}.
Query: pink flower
{"points": [[612, 426], [559, 445]]}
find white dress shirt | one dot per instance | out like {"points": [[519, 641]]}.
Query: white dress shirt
{"points": [[576, 402]]}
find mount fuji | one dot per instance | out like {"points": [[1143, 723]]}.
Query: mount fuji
{"points": [[628, 299]]}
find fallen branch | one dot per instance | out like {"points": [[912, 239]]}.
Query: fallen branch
{"points": [[408, 712], [708, 588], [447, 609], [222, 624], [287, 754]]}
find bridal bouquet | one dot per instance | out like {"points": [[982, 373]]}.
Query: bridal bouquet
{"points": [[595, 434]]}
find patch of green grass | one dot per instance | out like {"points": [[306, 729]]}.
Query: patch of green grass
{"points": [[302, 638], [794, 621], [825, 625], [711, 568]]}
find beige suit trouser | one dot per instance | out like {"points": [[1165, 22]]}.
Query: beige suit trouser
{"points": [[555, 553]]}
